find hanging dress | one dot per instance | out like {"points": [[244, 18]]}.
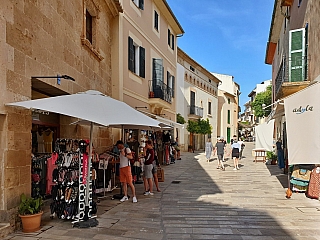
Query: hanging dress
{"points": [[40, 143], [47, 138]]}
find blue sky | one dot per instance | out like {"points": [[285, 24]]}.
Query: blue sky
{"points": [[227, 36]]}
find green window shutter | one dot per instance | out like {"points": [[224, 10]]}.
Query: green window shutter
{"points": [[130, 54], [142, 60], [228, 116], [297, 55]]}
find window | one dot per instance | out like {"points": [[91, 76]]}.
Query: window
{"points": [[192, 68], [299, 3], [228, 100], [171, 82], [136, 58], [209, 108], [157, 71], [209, 80], [170, 39], [90, 32], [156, 20], [297, 55], [229, 117], [89, 21], [139, 3]]}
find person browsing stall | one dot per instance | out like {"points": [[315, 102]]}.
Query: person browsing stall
{"points": [[125, 171], [148, 165]]}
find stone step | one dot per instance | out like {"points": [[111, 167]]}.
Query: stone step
{"points": [[4, 230]]}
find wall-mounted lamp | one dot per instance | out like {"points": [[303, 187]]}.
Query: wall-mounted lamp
{"points": [[58, 77]]}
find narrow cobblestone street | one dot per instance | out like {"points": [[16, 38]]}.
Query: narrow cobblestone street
{"points": [[202, 203]]}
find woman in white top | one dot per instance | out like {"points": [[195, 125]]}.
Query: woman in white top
{"points": [[235, 154], [209, 148]]}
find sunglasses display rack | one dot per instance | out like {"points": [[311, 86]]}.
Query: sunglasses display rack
{"points": [[69, 191]]}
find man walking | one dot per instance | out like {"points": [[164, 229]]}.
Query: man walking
{"points": [[125, 171], [220, 148]]}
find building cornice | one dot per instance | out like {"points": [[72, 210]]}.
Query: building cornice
{"points": [[274, 32], [166, 11]]}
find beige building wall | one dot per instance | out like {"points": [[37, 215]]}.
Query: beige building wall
{"points": [[228, 101], [194, 77], [138, 24], [46, 38]]}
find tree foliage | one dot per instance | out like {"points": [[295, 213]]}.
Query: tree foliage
{"points": [[262, 98], [192, 126], [180, 119], [200, 126]]}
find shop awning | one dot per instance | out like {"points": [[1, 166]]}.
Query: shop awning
{"points": [[302, 111], [92, 106], [165, 121]]}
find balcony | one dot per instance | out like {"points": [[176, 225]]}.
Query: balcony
{"points": [[195, 112], [288, 82], [158, 89]]}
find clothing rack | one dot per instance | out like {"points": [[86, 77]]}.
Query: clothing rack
{"points": [[107, 155]]}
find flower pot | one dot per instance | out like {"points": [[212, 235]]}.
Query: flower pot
{"points": [[31, 223], [273, 162]]}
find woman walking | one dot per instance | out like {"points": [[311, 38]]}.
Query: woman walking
{"points": [[148, 165], [235, 154], [209, 148]]}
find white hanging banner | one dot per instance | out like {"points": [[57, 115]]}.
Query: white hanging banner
{"points": [[264, 136], [302, 111]]}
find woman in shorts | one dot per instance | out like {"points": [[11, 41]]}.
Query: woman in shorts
{"points": [[148, 166], [235, 154]]}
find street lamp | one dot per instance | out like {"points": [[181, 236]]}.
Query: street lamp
{"points": [[58, 77]]}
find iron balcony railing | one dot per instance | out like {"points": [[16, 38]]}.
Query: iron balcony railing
{"points": [[293, 70], [158, 89], [198, 111]]}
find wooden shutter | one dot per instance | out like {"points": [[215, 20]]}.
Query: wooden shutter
{"points": [[173, 85], [297, 55], [172, 38], [229, 117], [141, 4], [130, 54], [142, 62], [156, 16], [169, 37]]}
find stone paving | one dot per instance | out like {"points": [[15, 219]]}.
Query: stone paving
{"points": [[202, 203]]}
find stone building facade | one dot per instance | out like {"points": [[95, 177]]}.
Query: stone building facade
{"points": [[40, 39]]}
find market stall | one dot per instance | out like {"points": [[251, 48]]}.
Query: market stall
{"points": [[93, 108]]}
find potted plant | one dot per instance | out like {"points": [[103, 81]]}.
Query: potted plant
{"points": [[30, 212], [273, 157]]}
